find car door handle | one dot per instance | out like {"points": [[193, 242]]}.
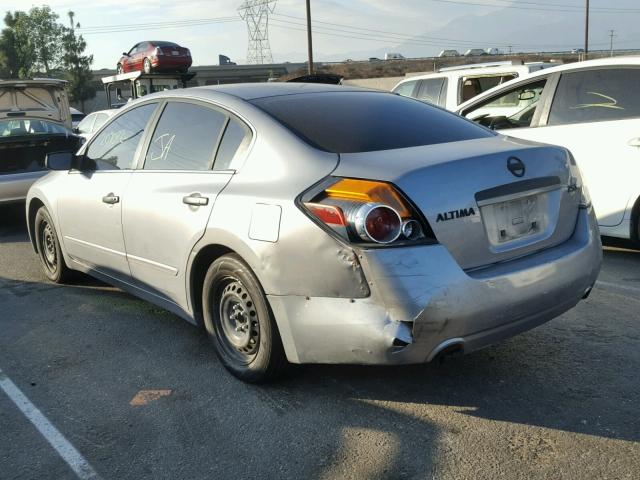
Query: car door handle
{"points": [[195, 199], [110, 198], [634, 142]]}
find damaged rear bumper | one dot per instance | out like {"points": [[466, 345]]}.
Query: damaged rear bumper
{"points": [[422, 303]]}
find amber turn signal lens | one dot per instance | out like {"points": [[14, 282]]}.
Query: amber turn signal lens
{"points": [[368, 191]]}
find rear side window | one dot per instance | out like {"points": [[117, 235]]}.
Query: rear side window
{"points": [[185, 138], [235, 142], [405, 89], [349, 122], [430, 90], [114, 148], [595, 96]]}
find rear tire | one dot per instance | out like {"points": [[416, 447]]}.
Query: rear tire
{"points": [[240, 323], [146, 66], [49, 250]]}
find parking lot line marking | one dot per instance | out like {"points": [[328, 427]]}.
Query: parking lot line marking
{"points": [[68, 452], [617, 286]]}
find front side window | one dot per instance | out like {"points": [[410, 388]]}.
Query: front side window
{"points": [[86, 125], [472, 86], [101, 118], [405, 89], [185, 138], [514, 108], [596, 96], [430, 90], [114, 147]]}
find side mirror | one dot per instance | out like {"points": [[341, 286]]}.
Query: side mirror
{"points": [[526, 95], [59, 161], [125, 54], [76, 130]]}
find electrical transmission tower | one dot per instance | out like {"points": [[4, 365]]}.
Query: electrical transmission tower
{"points": [[256, 14]]}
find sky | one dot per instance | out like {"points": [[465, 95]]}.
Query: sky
{"points": [[355, 29]]}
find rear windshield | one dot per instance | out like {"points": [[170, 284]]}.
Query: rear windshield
{"points": [[351, 122], [21, 128]]}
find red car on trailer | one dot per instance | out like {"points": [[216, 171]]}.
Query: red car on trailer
{"points": [[155, 56]]}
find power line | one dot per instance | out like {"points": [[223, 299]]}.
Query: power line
{"points": [[542, 7], [370, 34], [154, 26]]}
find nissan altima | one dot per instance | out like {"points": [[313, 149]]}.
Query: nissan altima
{"points": [[309, 223]]}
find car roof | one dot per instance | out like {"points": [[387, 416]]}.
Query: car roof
{"points": [[251, 91], [600, 62], [477, 71]]}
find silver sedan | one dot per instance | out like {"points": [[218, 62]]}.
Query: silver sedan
{"points": [[308, 223]]}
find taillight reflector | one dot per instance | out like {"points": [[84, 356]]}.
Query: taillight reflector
{"points": [[329, 214]]}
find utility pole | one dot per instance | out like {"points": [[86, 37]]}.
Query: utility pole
{"points": [[586, 32], [309, 39], [611, 35]]}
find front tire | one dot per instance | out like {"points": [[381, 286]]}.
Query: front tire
{"points": [[119, 69], [49, 249], [146, 66], [240, 323]]}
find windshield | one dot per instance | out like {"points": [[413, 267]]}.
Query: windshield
{"points": [[350, 122], [25, 127]]}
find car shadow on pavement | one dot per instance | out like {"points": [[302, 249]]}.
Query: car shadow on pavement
{"points": [[570, 375], [334, 421], [13, 225]]}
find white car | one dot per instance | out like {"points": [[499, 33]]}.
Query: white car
{"points": [[591, 108], [92, 122], [449, 87]]}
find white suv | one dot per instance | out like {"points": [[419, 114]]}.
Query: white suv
{"points": [[593, 109], [449, 87]]}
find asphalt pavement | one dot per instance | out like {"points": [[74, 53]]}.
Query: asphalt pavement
{"points": [[137, 393]]}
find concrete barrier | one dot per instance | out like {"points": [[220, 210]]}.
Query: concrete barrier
{"points": [[386, 83]]}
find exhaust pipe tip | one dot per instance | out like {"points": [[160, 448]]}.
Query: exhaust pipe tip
{"points": [[448, 348]]}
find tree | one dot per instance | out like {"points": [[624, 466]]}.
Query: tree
{"points": [[44, 32], [17, 52], [76, 65]]}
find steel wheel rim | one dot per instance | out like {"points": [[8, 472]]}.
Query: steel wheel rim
{"points": [[239, 328], [48, 243]]}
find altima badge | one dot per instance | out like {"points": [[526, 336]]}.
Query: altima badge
{"points": [[453, 214]]}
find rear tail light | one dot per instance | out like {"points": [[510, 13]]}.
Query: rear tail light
{"points": [[366, 211], [576, 182]]}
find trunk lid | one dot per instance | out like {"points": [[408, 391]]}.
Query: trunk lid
{"points": [[43, 99], [478, 209]]}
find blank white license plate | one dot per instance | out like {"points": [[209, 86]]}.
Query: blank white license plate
{"points": [[514, 219], [174, 52]]}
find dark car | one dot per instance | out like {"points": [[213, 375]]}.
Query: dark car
{"points": [[34, 121], [155, 56]]}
